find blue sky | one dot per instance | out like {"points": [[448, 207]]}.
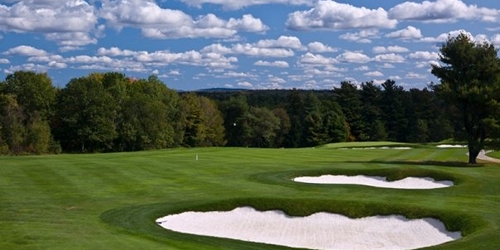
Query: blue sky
{"points": [[253, 44]]}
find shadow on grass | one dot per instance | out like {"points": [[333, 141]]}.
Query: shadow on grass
{"points": [[456, 164], [392, 173], [451, 164]]}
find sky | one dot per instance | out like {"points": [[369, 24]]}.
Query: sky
{"points": [[250, 44]]}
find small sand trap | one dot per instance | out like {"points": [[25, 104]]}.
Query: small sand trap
{"points": [[317, 231], [376, 181], [451, 146], [397, 148]]}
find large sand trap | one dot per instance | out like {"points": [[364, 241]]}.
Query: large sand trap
{"points": [[377, 181], [317, 231]]}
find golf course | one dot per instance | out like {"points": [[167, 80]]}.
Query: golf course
{"points": [[112, 201]]}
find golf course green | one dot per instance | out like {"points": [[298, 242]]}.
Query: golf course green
{"points": [[111, 201]]}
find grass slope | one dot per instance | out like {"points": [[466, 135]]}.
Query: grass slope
{"points": [[110, 201]]}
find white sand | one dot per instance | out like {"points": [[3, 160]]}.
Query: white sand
{"points": [[451, 146], [317, 231], [397, 148], [376, 181], [482, 156]]}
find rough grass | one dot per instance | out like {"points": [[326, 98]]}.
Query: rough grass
{"points": [[110, 201]]}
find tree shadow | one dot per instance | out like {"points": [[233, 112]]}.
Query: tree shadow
{"points": [[455, 164]]}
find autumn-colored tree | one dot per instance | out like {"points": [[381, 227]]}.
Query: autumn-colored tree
{"points": [[203, 122]]}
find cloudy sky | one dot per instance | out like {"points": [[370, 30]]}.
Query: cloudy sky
{"points": [[254, 44]]}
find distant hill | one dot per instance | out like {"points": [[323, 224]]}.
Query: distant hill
{"points": [[220, 90]]}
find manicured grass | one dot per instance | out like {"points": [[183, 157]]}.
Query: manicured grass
{"points": [[366, 144], [110, 201], [495, 154]]}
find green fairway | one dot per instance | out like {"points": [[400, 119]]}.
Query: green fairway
{"points": [[111, 201]]}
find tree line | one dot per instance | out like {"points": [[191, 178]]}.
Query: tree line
{"points": [[350, 112], [110, 112], [101, 112]]}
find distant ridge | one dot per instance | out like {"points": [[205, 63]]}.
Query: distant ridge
{"points": [[220, 90], [257, 90]]}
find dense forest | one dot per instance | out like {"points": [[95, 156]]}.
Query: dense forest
{"points": [[110, 112]]}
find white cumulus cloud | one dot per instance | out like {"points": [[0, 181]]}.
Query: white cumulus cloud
{"points": [[245, 84], [442, 11], [424, 55], [265, 48], [360, 37], [409, 32], [327, 14], [374, 74], [238, 4], [25, 50], [443, 37], [389, 58], [353, 57], [115, 51], [279, 64], [389, 49], [316, 59], [495, 40], [291, 42], [60, 21], [157, 22], [413, 75], [362, 68], [318, 47]]}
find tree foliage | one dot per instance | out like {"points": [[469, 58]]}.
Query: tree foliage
{"points": [[263, 125], [349, 98], [104, 112], [85, 117], [297, 112], [27, 102], [392, 105], [470, 81], [235, 112], [203, 122], [371, 113], [33, 91], [284, 126]]}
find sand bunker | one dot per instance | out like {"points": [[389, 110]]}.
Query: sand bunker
{"points": [[398, 148], [451, 146], [482, 156], [317, 231], [377, 181]]}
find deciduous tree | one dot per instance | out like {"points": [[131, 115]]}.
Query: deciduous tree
{"points": [[203, 122], [86, 116], [30, 110], [146, 116], [235, 112], [284, 127], [263, 125]]}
